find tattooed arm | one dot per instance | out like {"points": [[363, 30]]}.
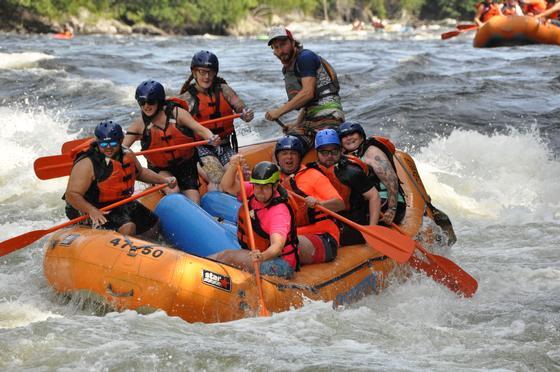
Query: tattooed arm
{"points": [[386, 174], [236, 103]]}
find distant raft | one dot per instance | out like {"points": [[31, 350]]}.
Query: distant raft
{"points": [[515, 30]]}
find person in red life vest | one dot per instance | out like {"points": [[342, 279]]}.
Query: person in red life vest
{"points": [[311, 85], [533, 7], [271, 217], [511, 8], [105, 174], [208, 96], [349, 176], [485, 10], [164, 123], [318, 235], [379, 157], [551, 13]]}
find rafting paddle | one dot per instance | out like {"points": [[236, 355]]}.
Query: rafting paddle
{"points": [[24, 240], [443, 270], [77, 144], [465, 26], [263, 311], [56, 166], [390, 243], [450, 34]]}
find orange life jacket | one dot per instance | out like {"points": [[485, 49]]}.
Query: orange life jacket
{"points": [[171, 135], [262, 239], [303, 215], [333, 174], [490, 10], [212, 106], [114, 180], [508, 10], [535, 8]]}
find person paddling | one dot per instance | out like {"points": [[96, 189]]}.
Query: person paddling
{"points": [[164, 123], [208, 96], [106, 174], [349, 176], [271, 217], [485, 10]]}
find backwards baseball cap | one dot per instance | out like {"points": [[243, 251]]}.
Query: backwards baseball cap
{"points": [[279, 31]]}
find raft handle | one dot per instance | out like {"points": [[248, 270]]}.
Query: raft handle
{"points": [[109, 290]]}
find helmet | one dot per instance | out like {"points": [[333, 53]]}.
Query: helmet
{"points": [[326, 137], [350, 127], [265, 173], [205, 59], [150, 91], [289, 143], [109, 130]]}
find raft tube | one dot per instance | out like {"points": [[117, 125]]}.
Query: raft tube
{"points": [[191, 229], [221, 205], [515, 30]]}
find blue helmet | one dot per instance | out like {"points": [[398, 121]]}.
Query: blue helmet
{"points": [[349, 127], [289, 143], [205, 59], [150, 91], [326, 137], [109, 130]]}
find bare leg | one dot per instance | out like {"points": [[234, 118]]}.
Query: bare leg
{"points": [[194, 195], [128, 228], [236, 257], [306, 250], [213, 170]]}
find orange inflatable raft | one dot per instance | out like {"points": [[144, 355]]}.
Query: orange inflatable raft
{"points": [[515, 30], [129, 273]]}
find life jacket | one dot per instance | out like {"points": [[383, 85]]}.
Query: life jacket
{"points": [[334, 174], [490, 10], [114, 180], [388, 148], [534, 8], [212, 106], [262, 239], [154, 137], [326, 87], [509, 10], [553, 15], [303, 215]]}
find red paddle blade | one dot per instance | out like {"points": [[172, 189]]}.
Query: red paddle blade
{"points": [[76, 144], [20, 241], [53, 166], [450, 34], [397, 246], [466, 26], [446, 272]]}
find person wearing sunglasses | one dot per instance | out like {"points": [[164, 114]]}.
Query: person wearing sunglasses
{"points": [[167, 123], [105, 174], [349, 176], [210, 97]]}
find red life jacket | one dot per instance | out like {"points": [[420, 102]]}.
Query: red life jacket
{"points": [[332, 173], [303, 215], [171, 135], [212, 106], [490, 10], [534, 8], [114, 181], [262, 239], [508, 10], [553, 15]]}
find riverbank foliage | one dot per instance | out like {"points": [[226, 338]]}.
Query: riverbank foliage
{"points": [[217, 15]]}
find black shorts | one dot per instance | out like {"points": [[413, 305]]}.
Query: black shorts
{"points": [[133, 211], [185, 172]]}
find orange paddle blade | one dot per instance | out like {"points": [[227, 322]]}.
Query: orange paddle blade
{"points": [[466, 26], [446, 272], [54, 166], [450, 34], [76, 145], [21, 241]]}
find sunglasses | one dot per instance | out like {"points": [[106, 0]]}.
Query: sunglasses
{"points": [[142, 101], [333, 152], [111, 144]]}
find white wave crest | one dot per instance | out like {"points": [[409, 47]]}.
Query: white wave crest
{"points": [[21, 60]]}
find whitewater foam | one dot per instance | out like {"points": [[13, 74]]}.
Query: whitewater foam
{"points": [[21, 60]]}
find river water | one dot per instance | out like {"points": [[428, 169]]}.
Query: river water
{"points": [[481, 124]]}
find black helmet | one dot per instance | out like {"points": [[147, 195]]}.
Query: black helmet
{"points": [[205, 59], [265, 173], [150, 91], [349, 127], [108, 130], [289, 143]]}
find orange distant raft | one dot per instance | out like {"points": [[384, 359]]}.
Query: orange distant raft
{"points": [[129, 273], [515, 30], [63, 36]]}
